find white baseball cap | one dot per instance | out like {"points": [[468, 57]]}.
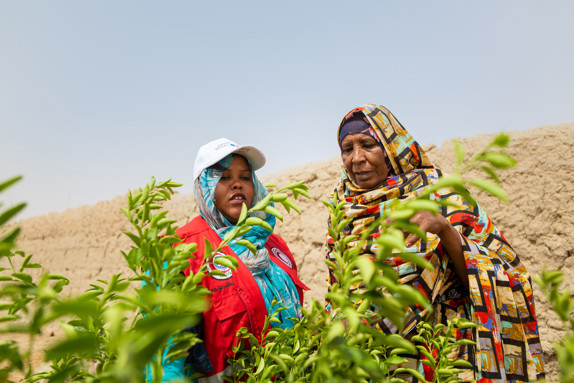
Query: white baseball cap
{"points": [[214, 151]]}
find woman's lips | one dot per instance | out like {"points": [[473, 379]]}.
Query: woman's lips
{"points": [[237, 199], [362, 175]]}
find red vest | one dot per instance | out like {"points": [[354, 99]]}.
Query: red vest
{"points": [[236, 300]]}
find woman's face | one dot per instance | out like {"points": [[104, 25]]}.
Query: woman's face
{"points": [[234, 189], [364, 160]]}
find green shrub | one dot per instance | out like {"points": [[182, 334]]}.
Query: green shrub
{"points": [[562, 303], [118, 327]]}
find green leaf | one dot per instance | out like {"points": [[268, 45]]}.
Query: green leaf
{"points": [[255, 221], [217, 273], [243, 213], [225, 261], [402, 214], [15, 327], [23, 277], [416, 259], [367, 268], [278, 197], [554, 276], [242, 230], [279, 361], [261, 366], [8, 214], [297, 191], [501, 140], [387, 241], [428, 355], [466, 324], [491, 173], [395, 359], [9, 317], [82, 307], [135, 239], [208, 249], [343, 224], [411, 371], [82, 343], [287, 204], [261, 204], [11, 236], [465, 194], [461, 363], [442, 372], [407, 293], [26, 260], [56, 277], [467, 342], [33, 266], [336, 329], [398, 341], [449, 181], [490, 188], [247, 244], [411, 228], [273, 211], [499, 160], [421, 204], [10, 182], [294, 185], [459, 150]]}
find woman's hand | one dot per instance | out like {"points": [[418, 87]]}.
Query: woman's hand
{"points": [[429, 223], [449, 237]]}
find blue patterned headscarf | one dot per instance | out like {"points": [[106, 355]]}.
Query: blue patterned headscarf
{"points": [[204, 189], [271, 279]]}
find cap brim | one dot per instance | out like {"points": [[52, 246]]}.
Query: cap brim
{"points": [[212, 152], [255, 156]]}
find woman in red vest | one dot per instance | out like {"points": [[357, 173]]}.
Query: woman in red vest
{"points": [[225, 179]]}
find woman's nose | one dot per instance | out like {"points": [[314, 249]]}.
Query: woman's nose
{"points": [[236, 184], [358, 155]]}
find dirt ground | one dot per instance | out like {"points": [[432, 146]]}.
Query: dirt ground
{"points": [[84, 244]]}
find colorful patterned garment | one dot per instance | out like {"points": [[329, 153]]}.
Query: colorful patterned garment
{"points": [[500, 299]]}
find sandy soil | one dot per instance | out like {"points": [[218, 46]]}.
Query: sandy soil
{"points": [[84, 243]]}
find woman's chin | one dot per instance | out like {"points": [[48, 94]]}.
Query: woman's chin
{"points": [[367, 183], [233, 214]]}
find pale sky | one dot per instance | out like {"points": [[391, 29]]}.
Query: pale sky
{"points": [[98, 96]]}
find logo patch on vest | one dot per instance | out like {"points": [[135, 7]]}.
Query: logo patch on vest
{"points": [[282, 257], [215, 266]]}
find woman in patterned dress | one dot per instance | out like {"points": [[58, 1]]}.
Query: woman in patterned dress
{"points": [[477, 275]]}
